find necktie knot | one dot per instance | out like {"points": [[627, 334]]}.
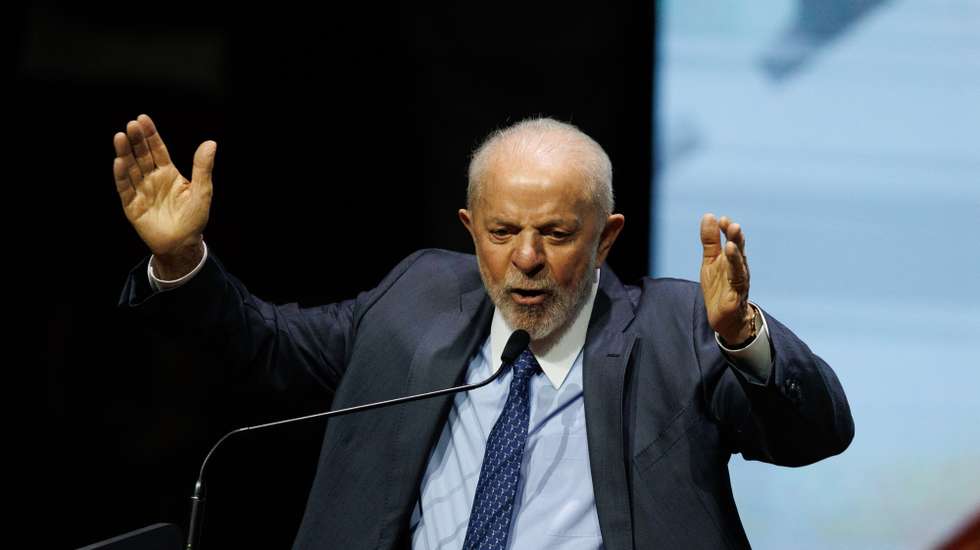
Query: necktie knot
{"points": [[526, 365]]}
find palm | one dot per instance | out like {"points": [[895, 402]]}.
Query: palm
{"points": [[724, 276], [165, 208], [165, 211]]}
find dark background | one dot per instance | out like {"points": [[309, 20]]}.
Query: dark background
{"points": [[343, 138]]}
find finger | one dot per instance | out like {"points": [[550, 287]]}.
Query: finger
{"points": [[710, 238], [161, 157], [738, 273], [734, 234], [204, 162], [124, 152], [123, 186], [140, 149]]}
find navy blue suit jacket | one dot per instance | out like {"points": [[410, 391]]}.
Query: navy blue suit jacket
{"points": [[665, 410]]}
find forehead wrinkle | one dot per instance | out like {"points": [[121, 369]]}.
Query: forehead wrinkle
{"points": [[553, 212], [538, 172], [548, 222], [534, 194]]}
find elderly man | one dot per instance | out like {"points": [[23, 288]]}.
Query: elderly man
{"points": [[613, 429]]}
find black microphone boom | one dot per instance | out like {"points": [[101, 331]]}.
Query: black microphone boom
{"points": [[516, 344]]}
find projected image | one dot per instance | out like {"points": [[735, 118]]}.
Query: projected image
{"points": [[843, 136]]}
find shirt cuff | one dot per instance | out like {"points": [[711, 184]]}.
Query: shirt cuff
{"points": [[755, 359], [160, 285]]}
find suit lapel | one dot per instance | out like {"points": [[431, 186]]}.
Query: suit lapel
{"points": [[440, 361], [607, 349]]}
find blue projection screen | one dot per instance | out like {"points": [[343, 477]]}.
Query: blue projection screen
{"points": [[843, 136]]}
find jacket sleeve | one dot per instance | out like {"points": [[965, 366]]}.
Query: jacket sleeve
{"points": [[798, 416], [285, 345]]}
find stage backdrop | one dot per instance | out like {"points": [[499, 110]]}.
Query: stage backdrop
{"points": [[844, 136]]}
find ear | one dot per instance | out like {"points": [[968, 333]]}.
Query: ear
{"points": [[464, 216], [614, 224]]}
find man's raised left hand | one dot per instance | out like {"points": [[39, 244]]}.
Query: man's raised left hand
{"points": [[725, 280]]}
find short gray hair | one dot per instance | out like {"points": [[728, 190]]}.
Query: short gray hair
{"points": [[546, 134]]}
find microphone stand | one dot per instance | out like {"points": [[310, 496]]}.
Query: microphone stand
{"points": [[515, 345]]}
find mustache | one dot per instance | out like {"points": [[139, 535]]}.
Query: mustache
{"points": [[513, 282]]}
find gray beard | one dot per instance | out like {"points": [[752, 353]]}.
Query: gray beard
{"points": [[544, 322]]}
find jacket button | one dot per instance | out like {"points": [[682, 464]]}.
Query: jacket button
{"points": [[791, 387]]}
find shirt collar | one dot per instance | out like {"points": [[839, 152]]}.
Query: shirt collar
{"points": [[557, 361]]}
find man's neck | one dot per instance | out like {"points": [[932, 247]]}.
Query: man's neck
{"points": [[542, 345], [556, 353]]}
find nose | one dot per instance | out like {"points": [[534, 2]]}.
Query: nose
{"points": [[528, 254]]}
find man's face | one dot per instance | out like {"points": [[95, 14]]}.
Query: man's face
{"points": [[537, 240]]}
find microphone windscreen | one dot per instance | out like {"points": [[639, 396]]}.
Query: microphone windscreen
{"points": [[517, 342]]}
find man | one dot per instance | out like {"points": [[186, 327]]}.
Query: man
{"points": [[613, 429]]}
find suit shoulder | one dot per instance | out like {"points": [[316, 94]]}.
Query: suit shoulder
{"points": [[438, 259], [661, 291], [437, 266], [668, 285]]}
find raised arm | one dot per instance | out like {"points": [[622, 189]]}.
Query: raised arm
{"points": [[286, 345], [799, 414]]}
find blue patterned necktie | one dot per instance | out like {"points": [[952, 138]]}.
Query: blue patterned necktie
{"points": [[493, 502]]}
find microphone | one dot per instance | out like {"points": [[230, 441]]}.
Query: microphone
{"points": [[516, 344]]}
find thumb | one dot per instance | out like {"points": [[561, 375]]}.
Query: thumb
{"points": [[204, 162], [710, 238]]}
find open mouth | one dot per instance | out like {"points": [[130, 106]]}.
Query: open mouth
{"points": [[528, 296]]}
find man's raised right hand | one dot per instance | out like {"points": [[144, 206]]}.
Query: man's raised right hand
{"points": [[168, 212]]}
